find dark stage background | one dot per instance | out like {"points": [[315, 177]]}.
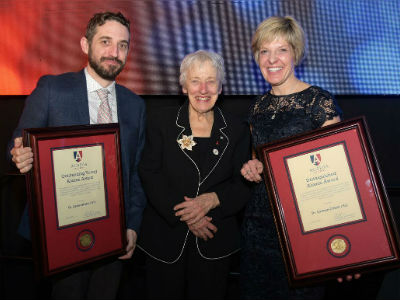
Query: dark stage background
{"points": [[15, 253]]}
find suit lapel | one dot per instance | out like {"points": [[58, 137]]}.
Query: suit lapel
{"points": [[184, 131], [80, 100], [124, 121], [218, 141], [122, 117]]}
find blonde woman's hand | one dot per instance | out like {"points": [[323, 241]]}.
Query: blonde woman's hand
{"points": [[252, 170]]}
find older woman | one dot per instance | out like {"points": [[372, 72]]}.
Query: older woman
{"points": [[190, 170], [290, 107]]}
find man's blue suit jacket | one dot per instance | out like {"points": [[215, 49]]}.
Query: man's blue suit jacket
{"points": [[62, 100]]}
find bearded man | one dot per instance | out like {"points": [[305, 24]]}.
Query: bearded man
{"points": [[79, 99]]}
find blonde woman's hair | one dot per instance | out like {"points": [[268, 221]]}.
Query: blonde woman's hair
{"points": [[279, 27]]}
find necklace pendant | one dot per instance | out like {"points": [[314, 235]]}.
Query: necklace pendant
{"points": [[273, 117]]}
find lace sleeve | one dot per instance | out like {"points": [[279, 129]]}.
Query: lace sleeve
{"points": [[325, 108]]}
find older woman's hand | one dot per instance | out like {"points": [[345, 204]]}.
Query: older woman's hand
{"points": [[252, 170], [203, 229], [193, 209]]}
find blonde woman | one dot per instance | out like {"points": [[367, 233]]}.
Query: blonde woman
{"points": [[290, 107]]}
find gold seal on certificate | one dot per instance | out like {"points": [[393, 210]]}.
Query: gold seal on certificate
{"points": [[85, 240], [338, 245]]}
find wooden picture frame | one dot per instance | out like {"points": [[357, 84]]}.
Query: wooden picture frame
{"points": [[329, 202], [75, 196]]}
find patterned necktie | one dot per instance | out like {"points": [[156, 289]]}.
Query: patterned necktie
{"points": [[104, 114]]}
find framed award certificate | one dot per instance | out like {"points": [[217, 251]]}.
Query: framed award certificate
{"points": [[75, 195], [329, 202]]}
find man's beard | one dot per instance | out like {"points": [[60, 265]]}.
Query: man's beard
{"points": [[108, 74]]}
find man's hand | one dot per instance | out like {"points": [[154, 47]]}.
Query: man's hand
{"points": [[193, 209], [131, 238], [22, 156]]}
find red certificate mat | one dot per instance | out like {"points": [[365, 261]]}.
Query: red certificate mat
{"points": [[75, 195], [329, 202]]}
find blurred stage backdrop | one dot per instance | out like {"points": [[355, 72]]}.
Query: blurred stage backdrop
{"points": [[353, 45]]}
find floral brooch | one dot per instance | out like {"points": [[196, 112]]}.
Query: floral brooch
{"points": [[186, 142]]}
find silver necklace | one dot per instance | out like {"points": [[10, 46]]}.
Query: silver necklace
{"points": [[277, 104], [277, 107]]}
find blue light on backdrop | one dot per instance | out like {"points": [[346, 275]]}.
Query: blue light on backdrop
{"points": [[353, 46]]}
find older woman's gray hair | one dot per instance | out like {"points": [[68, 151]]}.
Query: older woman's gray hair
{"points": [[202, 56]]}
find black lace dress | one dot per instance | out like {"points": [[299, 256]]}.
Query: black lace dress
{"points": [[274, 117]]}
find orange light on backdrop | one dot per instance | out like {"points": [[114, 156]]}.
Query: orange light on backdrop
{"points": [[42, 37]]}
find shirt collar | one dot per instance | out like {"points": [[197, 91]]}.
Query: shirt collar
{"points": [[93, 85]]}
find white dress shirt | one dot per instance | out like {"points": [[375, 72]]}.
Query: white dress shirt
{"points": [[94, 100]]}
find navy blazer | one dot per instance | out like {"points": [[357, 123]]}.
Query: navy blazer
{"points": [[62, 100], [169, 173]]}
